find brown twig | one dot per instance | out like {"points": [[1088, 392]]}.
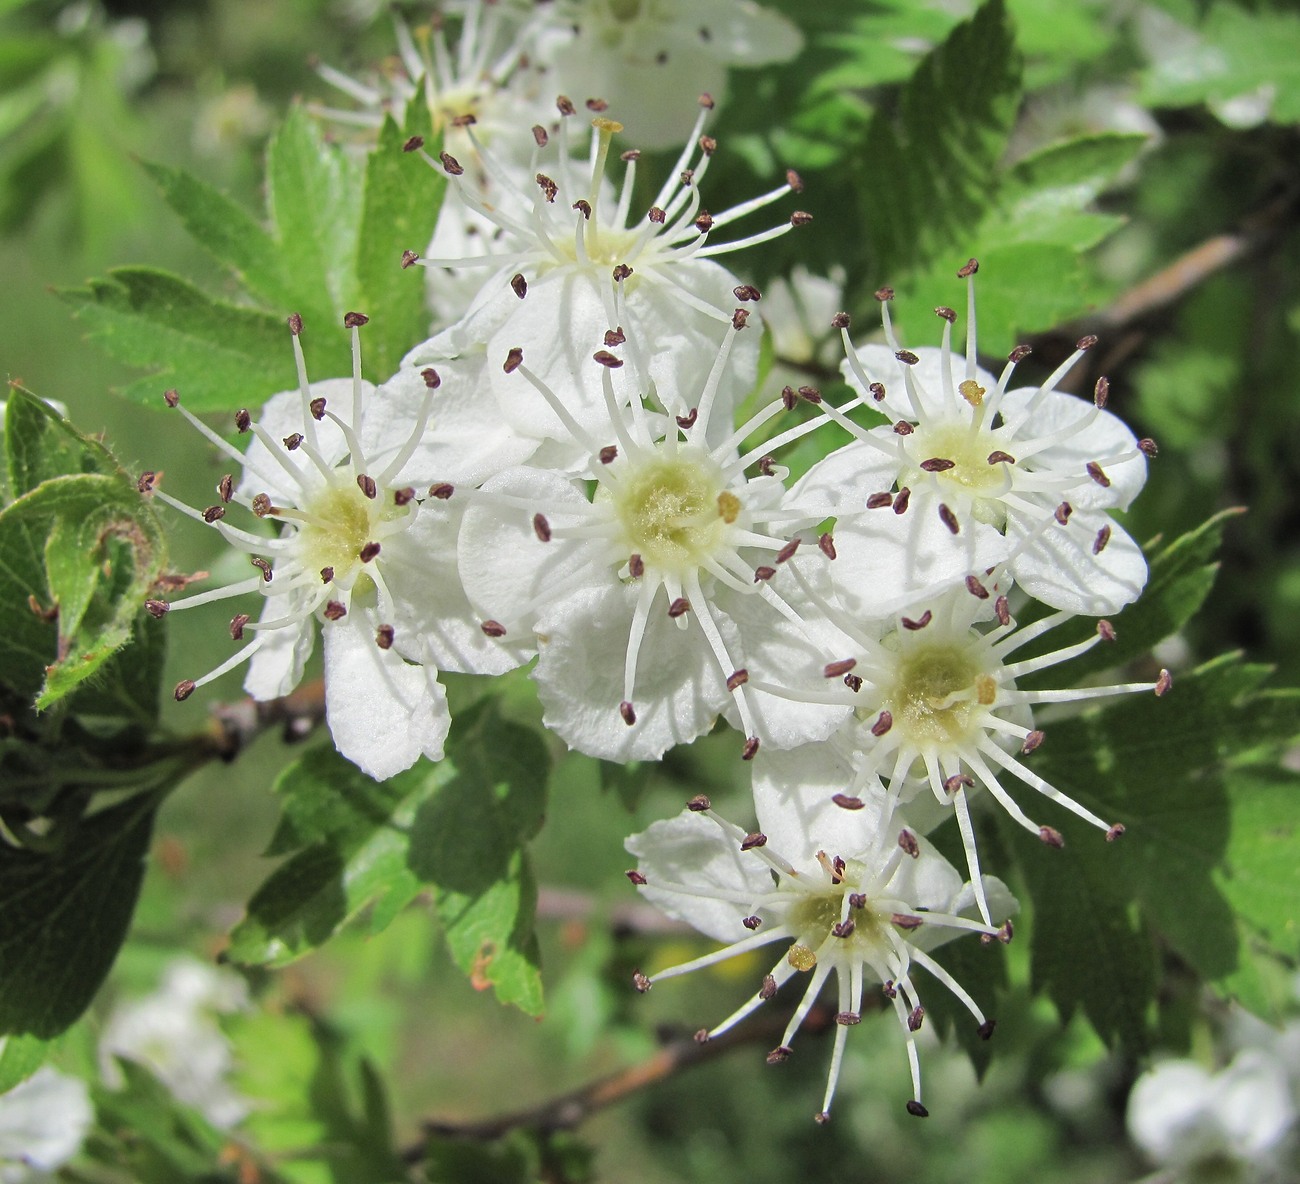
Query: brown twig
{"points": [[236, 725]]}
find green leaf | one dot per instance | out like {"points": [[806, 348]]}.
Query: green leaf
{"points": [[20, 1057], [399, 214], [925, 176], [66, 914], [219, 356], [41, 444], [457, 826]]}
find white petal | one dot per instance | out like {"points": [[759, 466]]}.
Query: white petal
{"points": [[383, 713], [44, 1119], [283, 416], [932, 394], [1255, 1105], [276, 666], [1169, 1112], [1060, 569], [847, 477]]}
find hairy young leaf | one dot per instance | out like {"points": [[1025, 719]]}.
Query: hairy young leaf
{"points": [[41, 444], [66, 914]]}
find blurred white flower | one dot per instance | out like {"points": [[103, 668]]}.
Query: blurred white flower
{"points": [[43, 1121]]}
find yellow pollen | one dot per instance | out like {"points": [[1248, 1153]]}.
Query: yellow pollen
{"points": [[971, 391], [728, 506], [801, 957], [986, 690], [609, 127]]}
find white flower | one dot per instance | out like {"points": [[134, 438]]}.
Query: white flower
{"points": [[175, 1034], [936, 707], [575, 270], [839, 894], [654, 56], [1042, 466], [798, 311], [43, 1121], [359, 550], [1185, 1118]]}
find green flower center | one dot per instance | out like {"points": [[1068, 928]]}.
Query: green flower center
{"points": [[926, 681], [674, 511], [339, 522], [816, 915]]}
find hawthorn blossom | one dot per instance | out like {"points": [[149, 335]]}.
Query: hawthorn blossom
{"points": [[935, 707], [364, 553], [43, 1122], [1040, 465], [573, 270], [840, 895]]}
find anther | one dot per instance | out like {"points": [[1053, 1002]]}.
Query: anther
{"points": [[620, 273], [1101, 392], [1099, 543], [698, 804], [841, 320], [442, 491], [827, 545], [1006, 933], [493, 628], [1106, 630], [451, 164], [1062, 513], [1051, 836], [972, 266], [787, 552], [630, 155], [907, 921], [184, 690], [900, 502], [946, 313], [237, 623], [744, 292], [763, 573], [317, 409], [369, 552], [907, 841], [853, 682], [847, 1019], [766, 465], [514, 359], [903, 428], [607, 359], [844, 928], [583, 207], [335, 610], [877, 390], [214, 514], [541, 528], [519, 285], [1032, 741], [171, 397], [326, 575], [985, 1029], [679, 607], [750, 841], [948, 518], [957, 782], [794, 181], [145, 482], [409, 259], [884, 721], [907, 357], [750, 749], [1163, 683], [657, 216], [1019, 354], [263, 567], [857, 900], [636, 877], [737, 678], [384, 637], [704, 222], [751, 923], [1148, 447], [404, 497], [846, 802], [920, 623], [888, 989], [739, 319], [789, 398], [800, 218], [295, 323], [768, 989], [367, 485], [226, 488], [780, 1053], [628, 712], [354, 320], [414, 144], [687, 421], [938, 464], [292, 442], [1001, 458], [597, 105], [243, 421], [640, 982], [916, 1018], [1114, 832], [608, 454], [836, 669], [635, 566], [884, 294], [1098, 474], [811, 394], [1086, 342], [916, 1110], [976, 589], [548, 187], [1002, 607], [156, 608], [615, 337]]}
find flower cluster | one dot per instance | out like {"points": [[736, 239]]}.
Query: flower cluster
{"points": [[561, 475]]}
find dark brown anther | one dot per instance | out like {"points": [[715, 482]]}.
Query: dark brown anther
{"points": [[698, 804], [907, 921], [811, 394], [542, 528], [184, 689], [1051, 836], [916, 1018], [548, 187], [317, 408], [841, 320], [1062, 513], [1001, 458], [883, 294], [155, 608], [857, 900], [1099, 543], [597, 105], [740, 318], [975, 588], [519, 285], [888, 989], [243, 421], [214, 514], [409, 259], [237, 623], [903, 428], [384, 637], [636, 877], [1101, 391], [1002, 607], [900, 502], [608, 454], [800, 218], [145, 482], [846, 802], [750, 841], [1098, 474], [746, 292], [514, 359], [751, 923], [916, 1110], [907, 841], [326, 575], [1148, 447], [708, 145], [262, 505], [1086, 342], [607, 359], [292, 442], [630, 155], [442, 491], [583, 207], [836, 669], [657, 215], [768, 989], [1114, 832], [171, 397], [1032, 741], [621, 272], [907, 357], [847, 1019], [628, 712], [263, 567], [957, 782], [794, 181], [1007, 932], [493, 628], [766, 465], [948, 518], [679, 607], [687, 421], [635, 566], [702, 1036], [615, 337], [763, 573], [1106, 630], [367, 485], [750, 749], [369, 552], [1019, 354], [640, 982], [1163, 684], [354, 320], [920, 623], [404, 497], [226, 488], [877, 390], [938, 464], [945, 313], [826, 544], [972, 266], [779, 1054], [986, 1029], [844, 928], [853, 682], [335, 610], [787, 552], [451, 164], [295, 323], [414, 144], [789, 398], [540, 137], [737, 678], [884, 721]]}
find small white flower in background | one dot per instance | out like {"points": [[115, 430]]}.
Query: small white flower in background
{"points": [[1040, 465], [573, 269], [175, 1034], [935, 707], [1231, 1125], [840, 894], [43, 1122], [365, 553], [798, 311]]}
